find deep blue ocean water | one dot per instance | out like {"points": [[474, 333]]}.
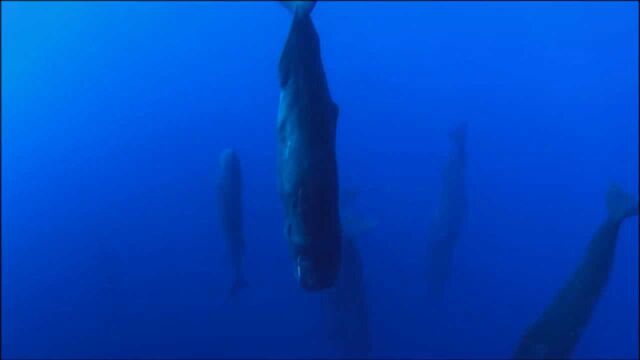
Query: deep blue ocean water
{"points": [[114, 115]]}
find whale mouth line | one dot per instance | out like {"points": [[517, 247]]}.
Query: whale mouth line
{"points": [[298, 269]]}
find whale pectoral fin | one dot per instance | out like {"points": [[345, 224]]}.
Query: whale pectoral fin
{"points": [[299, 8], [357, 226]]}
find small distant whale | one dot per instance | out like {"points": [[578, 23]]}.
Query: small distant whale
{"points": [[448, 223], [230, 208], [556, 333], [308, 174]]}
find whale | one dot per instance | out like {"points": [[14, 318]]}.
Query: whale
{"points": [[230, 209], [557, 331], [307, 166], [445, 231]]}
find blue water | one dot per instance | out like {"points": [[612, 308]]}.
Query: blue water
{"points": [[114, 115]]}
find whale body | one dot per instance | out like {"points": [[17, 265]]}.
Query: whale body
{"points": [[307, 166]]}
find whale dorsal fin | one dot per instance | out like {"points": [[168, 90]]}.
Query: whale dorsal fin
{"points": [[299, 8]]}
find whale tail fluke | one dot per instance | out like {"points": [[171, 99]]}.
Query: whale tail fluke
{"points": [[621, 204], [237, 286], [459, 133], [299, 8]]}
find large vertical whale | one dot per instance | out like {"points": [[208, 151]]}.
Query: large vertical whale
{"points": [[453, 206], [230, 208], [556, 333], [308, 176]]}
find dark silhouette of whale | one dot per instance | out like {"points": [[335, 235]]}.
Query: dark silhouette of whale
{"points": [[230, 208], [556, 333], [308, 175], [445, 231], [346, 304]]}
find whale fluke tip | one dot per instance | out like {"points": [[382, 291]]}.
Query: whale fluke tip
{"points": [[459, 132], [299, 8]]}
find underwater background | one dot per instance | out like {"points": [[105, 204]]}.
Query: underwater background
{"points": [[114, 115]]}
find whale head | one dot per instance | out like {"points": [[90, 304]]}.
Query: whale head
{"points": [[314, 273]]}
